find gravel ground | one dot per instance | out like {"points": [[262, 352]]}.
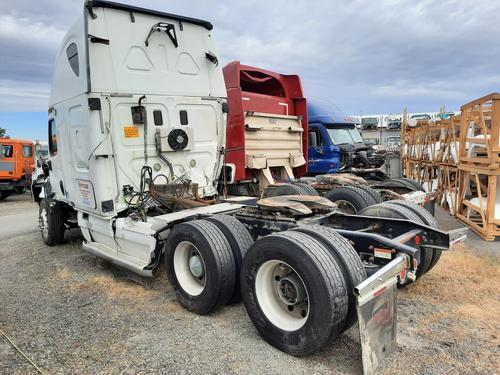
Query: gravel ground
{"points": [[71, 312]]}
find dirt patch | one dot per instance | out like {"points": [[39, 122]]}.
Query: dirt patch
{"points": [[459, 308], [114, 289], [72, 312], [63, 275], [468, 283], [109, 287]]}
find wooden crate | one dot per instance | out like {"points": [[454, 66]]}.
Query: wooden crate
{"points": [[447, 187], [480, 133], [479, 200], [459, 159]]}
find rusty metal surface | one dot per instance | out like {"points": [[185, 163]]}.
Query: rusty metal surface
{"points": [[331, 181], [184, 195]]}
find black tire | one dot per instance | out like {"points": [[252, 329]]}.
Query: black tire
{"points": [[346, 256], [306, 189], [239, 240], [403, 182], [51, 220], [377, 197], [325, 287], [286, 189], [389, 210], [427, 219], [354, 197], [20, 190], [417, 186], [400, 183], [219, 266], [4, 195], [420, 211], [436, 255]]}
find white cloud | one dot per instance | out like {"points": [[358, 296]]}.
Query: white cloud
{"points": [[23, 96], [375, 56], [24, 30]]}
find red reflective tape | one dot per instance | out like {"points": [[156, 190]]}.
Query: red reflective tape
{"points": [[378, 292]]}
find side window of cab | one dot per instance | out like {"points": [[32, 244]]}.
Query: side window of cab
{"points": [[315, 137], [52, 138], [72, 54], [27, 151]]}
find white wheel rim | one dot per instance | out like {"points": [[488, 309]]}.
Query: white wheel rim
{"points": [[43, 223], [346, 206], [282, 312], [188, 281]]}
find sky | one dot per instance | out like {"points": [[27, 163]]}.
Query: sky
{"points": [[365, 56]]}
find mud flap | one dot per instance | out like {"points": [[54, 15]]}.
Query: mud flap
{"points": [[376, 305]]}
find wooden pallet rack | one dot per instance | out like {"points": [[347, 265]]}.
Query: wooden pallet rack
{"points": [[459, 159], [479, 166]]}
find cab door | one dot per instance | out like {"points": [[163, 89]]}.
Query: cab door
{"points": [[7, 161], [316, 150]]}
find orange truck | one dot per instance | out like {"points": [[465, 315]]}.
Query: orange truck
{"points": [[16, 165]]}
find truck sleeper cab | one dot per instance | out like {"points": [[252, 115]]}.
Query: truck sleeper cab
{"points": [[136, 143], [266, 129], [16, 165], [134, 91]]}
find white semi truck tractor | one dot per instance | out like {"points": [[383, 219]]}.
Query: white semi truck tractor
{"points": [[136, 125]]}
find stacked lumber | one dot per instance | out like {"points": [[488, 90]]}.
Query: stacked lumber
{"points": [[459, 159]]}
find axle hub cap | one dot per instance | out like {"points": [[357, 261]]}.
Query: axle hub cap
{"points": [[196, 266], [290, 290]]}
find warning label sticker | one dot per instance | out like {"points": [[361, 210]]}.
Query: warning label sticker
{"points": [[131, 131], [86, 193], [382, 253]]}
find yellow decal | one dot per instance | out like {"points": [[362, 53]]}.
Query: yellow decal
{"points": [[131, 131]]}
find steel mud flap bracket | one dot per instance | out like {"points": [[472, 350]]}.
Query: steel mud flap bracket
{"points": [[376, 306]]}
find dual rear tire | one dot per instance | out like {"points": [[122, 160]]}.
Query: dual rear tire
{"points": [[296, 285], [352, 199], [404, 183], [203, 259]]}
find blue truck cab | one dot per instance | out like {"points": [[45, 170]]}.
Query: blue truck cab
{"points": [[331, 133]]}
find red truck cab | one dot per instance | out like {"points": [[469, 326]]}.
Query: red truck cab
{"points": [[266, 137], [16, 165]]}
